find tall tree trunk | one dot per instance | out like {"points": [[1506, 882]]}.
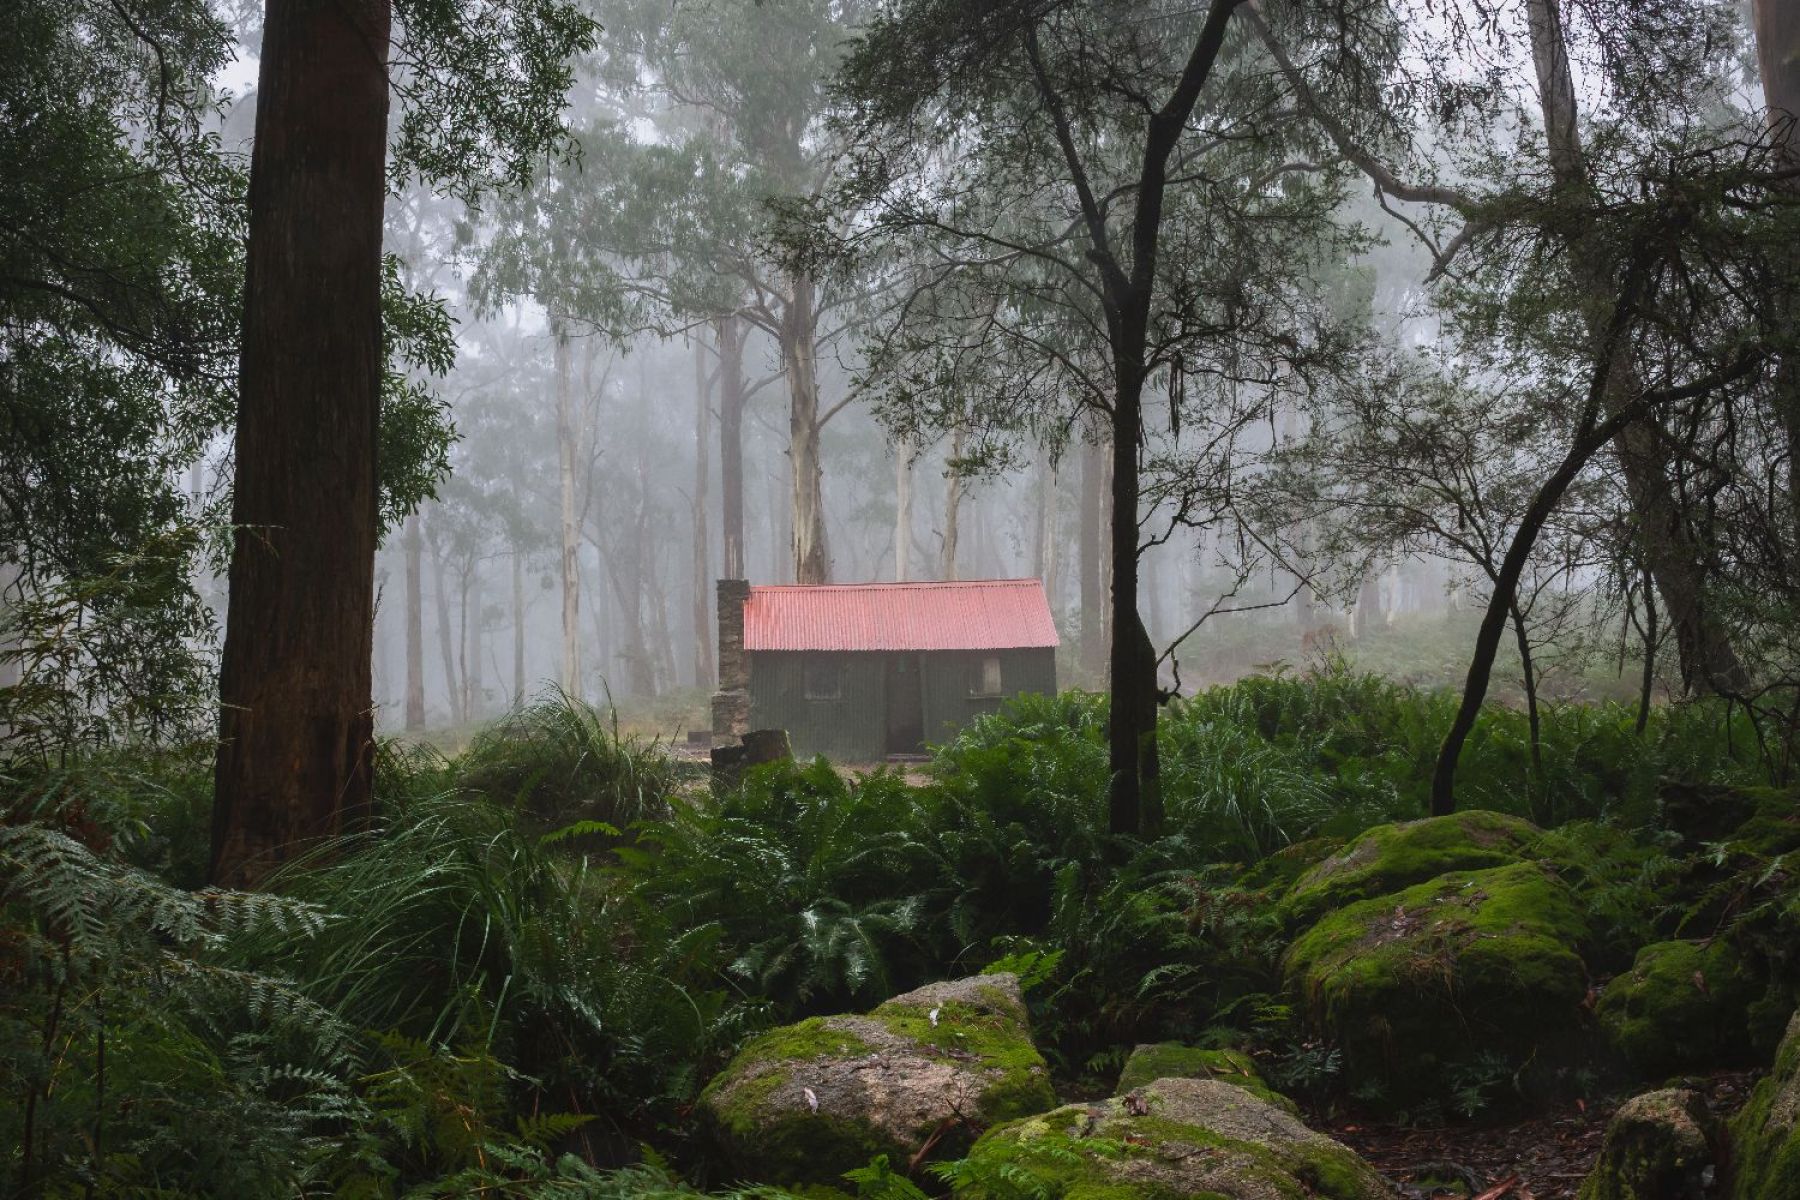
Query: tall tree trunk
{"points": [[415, 626], [1134, 799], [440, 594], [1777, 25], [799, 359], [953, 491], [1043, 538], [702, 562], [567, 437], [903, 508], [471, 644], [1709, 662], [518, 624], [1367, 614], [730, 334], [1092, 592], [296, 719]]}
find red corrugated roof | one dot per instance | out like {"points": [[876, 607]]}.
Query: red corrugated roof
{"points": [[979, 614]]}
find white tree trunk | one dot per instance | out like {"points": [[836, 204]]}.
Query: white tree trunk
{"points": [[903, 506], [566, 437], [952, 506]]}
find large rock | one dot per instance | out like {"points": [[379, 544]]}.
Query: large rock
{"points": [[1172, 1060], [807, 1102], [1387, 858], [1175, 1139], [1659, 1146], [1681, 1006], [1765, 1136], [1474, 969]]}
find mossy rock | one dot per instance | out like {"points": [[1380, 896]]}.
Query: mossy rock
{"points": [[1659, 1146], [1278, 872], [1172, 1060], [1174, 1139], [1765, 1136], [1681, 1006], [1413, 986], [1387, 858], [807, 1102]]}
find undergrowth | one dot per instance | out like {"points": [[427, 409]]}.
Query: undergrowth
{"points": [[522, 975]]}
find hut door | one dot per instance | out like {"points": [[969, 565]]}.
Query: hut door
{"points": [[905, 705]]}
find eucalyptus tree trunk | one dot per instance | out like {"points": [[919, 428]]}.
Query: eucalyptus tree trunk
{"points": [[1092, 590], [440, 596], [799, 359], [296, 722], [1043, 541], [415, 626], [1709, 662], [730, 334], [903, 508], [953, 491], [471, 642], [567, 435], [702, 549], [518, 624]]}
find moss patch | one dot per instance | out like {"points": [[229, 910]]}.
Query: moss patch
{"points": [[1681, 1006], [1172, 1060], [807, 1102], [1657, 1145], [1765, 1136], [1390, 857], [1175, 1139], [1408, 986]]}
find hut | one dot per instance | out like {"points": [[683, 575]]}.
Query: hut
{"points": [[864, 672]]}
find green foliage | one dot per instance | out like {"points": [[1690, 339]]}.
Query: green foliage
{"points": [[559, 761], [558, 929], [134, 1053]]}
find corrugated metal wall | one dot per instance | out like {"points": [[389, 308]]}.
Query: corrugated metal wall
{"points": [[853, 728], [948, 704]]}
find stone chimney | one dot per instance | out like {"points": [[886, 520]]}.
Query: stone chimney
{"points": [[731, 703]]}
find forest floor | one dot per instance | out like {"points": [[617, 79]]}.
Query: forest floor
{"points": [[1545, 1157]]}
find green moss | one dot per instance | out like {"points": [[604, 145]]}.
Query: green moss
{"points": [[1172, 1060], [1765, 1136], [1408, 986], [1388, 858], [1658, 1145], [999, 1042], [1681, 1006], [1277, 872], [1170, 1141]]}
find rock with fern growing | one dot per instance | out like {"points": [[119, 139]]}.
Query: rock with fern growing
{"points": [[1683, 1006], [919, 1077], [1659, 1146], [1172, 1138]]}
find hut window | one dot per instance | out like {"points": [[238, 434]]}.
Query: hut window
{"points": [[984, 676], [824, 679]]}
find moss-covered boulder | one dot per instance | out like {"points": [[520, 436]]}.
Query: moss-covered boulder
{"points": [[807, 1102], [1765, 1136], [1659, 1146], [1473, 967], [1387, 858], [1681, 1006], [1174, 1139], [1172, 1060]]}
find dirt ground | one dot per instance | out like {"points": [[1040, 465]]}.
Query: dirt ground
{"points": [[1543, 1158]]}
